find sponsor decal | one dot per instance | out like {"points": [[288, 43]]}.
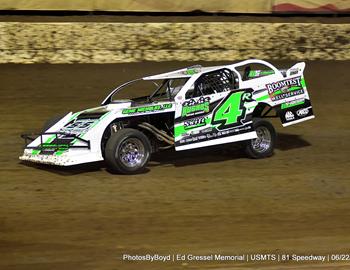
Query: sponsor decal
{"points": [[53, 145], [192, 70], [147, 109], [292, 103], [193, 107], [259, 73], [210, 134], [285, 88], [195, 123], [79, 126], [303, 112], [289, 116]]}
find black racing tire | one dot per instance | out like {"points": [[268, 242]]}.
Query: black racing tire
{"points": [[51, 122], [263, 146], [127, 151]]}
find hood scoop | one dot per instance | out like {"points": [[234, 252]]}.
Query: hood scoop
{"points": [[93, 113]]}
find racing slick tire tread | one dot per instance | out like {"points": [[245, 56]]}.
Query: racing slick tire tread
{"points": [[250, 151], [114, 163]]}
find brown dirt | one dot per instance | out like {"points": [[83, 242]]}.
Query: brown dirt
{"points": [[206, 201]]}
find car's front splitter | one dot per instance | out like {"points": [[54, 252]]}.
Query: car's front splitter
{"points": [[66, 159]]}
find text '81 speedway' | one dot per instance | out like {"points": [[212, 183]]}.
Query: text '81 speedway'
{"points": [[185, 109]]}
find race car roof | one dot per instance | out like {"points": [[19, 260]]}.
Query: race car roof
{"points": [[182, 73]]}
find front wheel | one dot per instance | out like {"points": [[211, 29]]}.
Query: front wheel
{"points": [[264, 144], [127, 151]]}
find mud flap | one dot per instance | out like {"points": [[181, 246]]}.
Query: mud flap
{"points": [[295, 111]]}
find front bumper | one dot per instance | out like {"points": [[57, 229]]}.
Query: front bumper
{"points": [[47, 159], [57, 148], [67, 159]]}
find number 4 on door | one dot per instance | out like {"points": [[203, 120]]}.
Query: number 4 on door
{"points": [[230, 111]]}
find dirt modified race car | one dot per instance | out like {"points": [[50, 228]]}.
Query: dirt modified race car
{"points": [[184, 109]]}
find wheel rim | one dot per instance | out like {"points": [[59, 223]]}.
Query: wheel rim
{"points": [[263, 142], [131, 152]]}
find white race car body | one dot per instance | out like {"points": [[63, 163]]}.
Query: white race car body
{"points": [[215, 105]]}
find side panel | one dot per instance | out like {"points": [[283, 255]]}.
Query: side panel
{"points": [[287, 94], [214, 119], [291, 100]]}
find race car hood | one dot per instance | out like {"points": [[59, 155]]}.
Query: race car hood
{"points": [[82, 122]]}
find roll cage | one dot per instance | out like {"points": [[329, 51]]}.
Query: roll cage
{"points": [[165, 88], [190, 74]]}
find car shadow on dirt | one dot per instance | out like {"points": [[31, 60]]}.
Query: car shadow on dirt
{"points": [[70, 170], [220, 153], [285, 142]]}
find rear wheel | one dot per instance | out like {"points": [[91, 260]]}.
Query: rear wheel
{"points": [[127, 151], [264, 144]]}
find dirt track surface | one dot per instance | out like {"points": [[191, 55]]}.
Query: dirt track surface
{"points": [[200, 202]]}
